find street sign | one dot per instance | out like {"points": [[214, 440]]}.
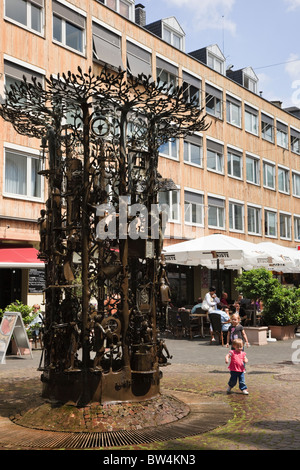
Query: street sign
{"points": [[12, 324]]}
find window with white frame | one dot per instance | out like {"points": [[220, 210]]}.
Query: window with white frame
{"points": [[282, 134], [252, 170], [234, 163], [139, 60], [254, 220], [191, 88], [250, 83], [251, 120], [124, 7], [216, 212], [169, 149], [233, 111], [236, 216], [215, 63], [267, 127], [283, 180], [193, 208], [214, 156], [285, 222], [169, 202], [295, 141], [297, 227], [21, 174], [27, 13], [166, 74], [193, 150], [68, 27], [172, 37], [270, 223], [296, 184], [107, 46], [14, 73], [214, 101], [269, 175]]}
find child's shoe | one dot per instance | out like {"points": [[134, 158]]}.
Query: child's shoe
{"points": [[228, 390], [245, 392]]}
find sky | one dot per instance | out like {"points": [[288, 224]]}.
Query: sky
{"points": [[263, 34]]}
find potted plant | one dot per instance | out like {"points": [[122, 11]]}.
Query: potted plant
{"points": [[282, 312], [257, 284]]}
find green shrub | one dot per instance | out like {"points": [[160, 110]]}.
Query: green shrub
{"points": [[283, 307], [257, 284], [25, 311]]}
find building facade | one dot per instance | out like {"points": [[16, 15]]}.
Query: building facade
{"points": [[240, 178]]}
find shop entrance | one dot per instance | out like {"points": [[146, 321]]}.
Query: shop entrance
{"points": [[10, 286]]}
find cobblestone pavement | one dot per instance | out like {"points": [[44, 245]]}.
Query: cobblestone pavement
{"points": [[267, 419]]}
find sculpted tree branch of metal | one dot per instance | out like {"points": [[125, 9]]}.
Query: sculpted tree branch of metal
{"points": [[101, 230]]}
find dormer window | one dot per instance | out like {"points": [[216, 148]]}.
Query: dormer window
{"points": [[172, 33], [250, 79], [215, 59]]}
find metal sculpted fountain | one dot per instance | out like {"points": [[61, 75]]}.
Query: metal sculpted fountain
{"points": [[101, 230]]}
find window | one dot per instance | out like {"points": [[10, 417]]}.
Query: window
{"points": [[296, 184], [167, 74], [283, 180], [191, 88], [21, 175], [139, 60], [27, 13], [251, 120], [250, 83], [68, 27], [236, 216], [234, 163], [107, 46], [170, 149], [270, 223], [269, 175], [297, 228], [172, 37], [295, 141], [193, 150], [215, 156], [254, 220], [14, 74], [285, 226], [169, 202], [282, 135], [216, 212], [267, 128], [215, 63], [193, 208], [213, 98], [252, 170], [124, 7], [233, 111]]}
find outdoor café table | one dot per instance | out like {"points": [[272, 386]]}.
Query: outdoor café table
{"points": [[200, 317]]}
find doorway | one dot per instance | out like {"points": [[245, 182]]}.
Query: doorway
{"points": [[11, 286]]}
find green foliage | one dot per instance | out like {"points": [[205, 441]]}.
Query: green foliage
{"points": [[283, 307], [25, 311], [257, 284]]}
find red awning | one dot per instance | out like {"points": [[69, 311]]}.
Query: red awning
{"points": [[23, 258]]}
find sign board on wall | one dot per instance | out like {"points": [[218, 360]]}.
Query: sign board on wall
{"points": [[12, 324]]}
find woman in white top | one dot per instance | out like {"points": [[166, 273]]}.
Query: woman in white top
{"points": [[211, 299]]}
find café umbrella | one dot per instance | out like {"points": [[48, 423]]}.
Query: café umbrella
{"points": [[219, 251]]}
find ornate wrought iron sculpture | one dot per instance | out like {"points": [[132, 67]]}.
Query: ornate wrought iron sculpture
{"points": [[101, 231]]}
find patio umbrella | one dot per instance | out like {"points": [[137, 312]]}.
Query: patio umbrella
{"points": [[287, 259], [219, 251]]}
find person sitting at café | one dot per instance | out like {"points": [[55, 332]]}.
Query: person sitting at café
{"points": [[197, 305], [225, 320], [224, 299], [239, 309]]}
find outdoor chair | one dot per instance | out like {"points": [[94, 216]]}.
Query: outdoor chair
{"points": [[216, 324], [190, 327], [174, 324]]}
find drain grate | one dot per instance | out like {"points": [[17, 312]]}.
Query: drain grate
{"points": [[195, 423]]}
